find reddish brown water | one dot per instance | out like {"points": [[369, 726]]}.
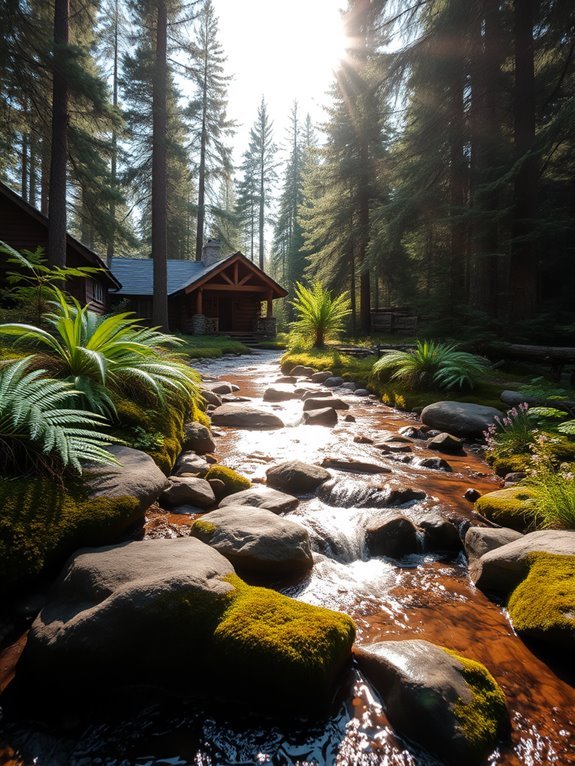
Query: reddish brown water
{"points": [[421, 596]]}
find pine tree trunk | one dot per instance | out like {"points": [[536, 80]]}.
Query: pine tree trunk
{"points": [[33, 169], [523, 271], [202, 168], [488, 54], [457, 180], [59, 148], [262, 207], [24, 167], [114, 163], [159, 176], [45, 175]]}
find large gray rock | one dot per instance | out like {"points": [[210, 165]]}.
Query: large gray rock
{"points": [[349, 493], [109, 615], [296, 477], [326, 416], [514, 398], [459, 418], [446, 443], [314, 393], [481, 540], [262, 497], [321, 377], [279, 393], [221, 387], [503, 568], [184, 490], [439, 532], [425, 693], [301, 371], [391, 535], [333, 382], [211, 398], [190, 463], [245, 416], [256, 540], [321, 402], [136, 476], [197, 438]]}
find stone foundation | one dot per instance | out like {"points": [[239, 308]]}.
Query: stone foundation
{"points": [[266, 327]]}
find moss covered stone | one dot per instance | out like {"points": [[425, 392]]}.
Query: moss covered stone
{"points": [[484, 718], [273, 646], [543, 605], [511, 507], [41, 523], [232, 480]]}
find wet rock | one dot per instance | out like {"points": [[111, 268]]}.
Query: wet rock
{"points": [[245, 416], [279, 393], [411, 432], [361, 439], [219, 488], [347, 493], [445, 442], [514, 477], [262, 497], [404, 495], [256, 540], [502, 569], [287, 379], [391, 535], [197, 438], [333, 382], [542, 607], [481, 540], [471, 494], [349, 386], [514, 398], [315, 403], [301, 371], [183, 490], [361, 392], [210, 398], [137, 476], [397, 440], [509, 507], [321, 377], [186, 510], [326, 416], [430, 695], [233, 399], [315, 393], [348, 418], [439, 533], [191, 464], [355, 466], [221, 387], [108, 617], [459, 418], [296, 477], [392, 446], [435, 463]]}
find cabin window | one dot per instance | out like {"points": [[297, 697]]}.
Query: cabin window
{"points": [[98, 292]]}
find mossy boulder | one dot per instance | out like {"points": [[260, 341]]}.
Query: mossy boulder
{"points": [[542, 607], [511, 507], [114, 611], [42, 523], [232, 480], [449, 704]]}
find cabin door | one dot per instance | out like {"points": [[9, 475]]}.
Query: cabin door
{"points": [[226, 314]]}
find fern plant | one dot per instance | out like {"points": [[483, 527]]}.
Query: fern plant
{"points": [[38, 430], [320, 315], [431, 365], [111, 354]]}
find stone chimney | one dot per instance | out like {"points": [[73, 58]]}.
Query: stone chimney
{"points": [[211, 252]]}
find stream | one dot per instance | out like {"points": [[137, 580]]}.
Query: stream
{"points": [[419, 596]]}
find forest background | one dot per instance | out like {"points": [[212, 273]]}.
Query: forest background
{"points": [[441, 177]]}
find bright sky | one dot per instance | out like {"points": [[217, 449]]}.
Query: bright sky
{"points": [[282, 51]]}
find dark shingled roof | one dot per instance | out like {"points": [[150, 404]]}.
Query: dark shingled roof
{"points": [[136, 274]]}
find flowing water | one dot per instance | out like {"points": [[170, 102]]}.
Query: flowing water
{"points": [[420, 596]]}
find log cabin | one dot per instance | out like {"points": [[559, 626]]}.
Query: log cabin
{"points": [[220, 294], [25, 228]]}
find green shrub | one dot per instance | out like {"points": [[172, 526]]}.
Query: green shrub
{"points": [[512, 434], [431, 365], [553, 487], [233, 481], [320, 315], [42, 523]]}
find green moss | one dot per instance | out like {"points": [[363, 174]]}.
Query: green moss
{"points": [[199, 416], [349, 367], [233, 481], [275, 647], [167, 421], [504, 464], [510, 507], [205, 528], [41, 523], [484, 718], [543, 605]]}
